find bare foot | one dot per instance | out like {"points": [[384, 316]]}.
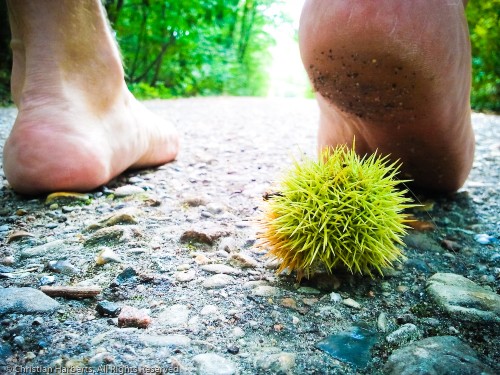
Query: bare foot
{"points": [[78, 126], [395, 76]]}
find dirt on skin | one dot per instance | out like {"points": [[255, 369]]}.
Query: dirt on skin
{"points": [[177, 250]]}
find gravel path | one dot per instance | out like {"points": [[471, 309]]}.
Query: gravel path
{"points": [[179, 286]]}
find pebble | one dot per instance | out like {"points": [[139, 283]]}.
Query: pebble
{"points": [[106, 308], [274, 361], [218, 281], [213, 364], [289, 303], [19, 341], [53, 247], [125, 216], [174, 316], [484, 239], [265, 291], [190, 236], [436, 355], [352, 346], [237, 332], [106, 255], [243, 260], [128, 275], [308, 290], [463, 299], [46, 280], [351, 303], [185, 276], [201, 259], [335, 297], [172, 341], [63, 266], [221, 268], [382, 322], [25, 301], [404, 334], [209, 310], [106, 236], [127, 190], [133, 317]]}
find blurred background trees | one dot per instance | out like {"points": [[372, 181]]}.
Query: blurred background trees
{"points": [[175, 48]]}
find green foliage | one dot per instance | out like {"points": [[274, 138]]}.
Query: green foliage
{"points": [[341, 211], [484, 20], [201, 47]]}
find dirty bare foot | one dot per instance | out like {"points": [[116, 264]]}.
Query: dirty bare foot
{"points": [[78, 126], [394, 75]]}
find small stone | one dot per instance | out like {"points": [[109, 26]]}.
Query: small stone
{"points": [[289, 302], [237, 332], [100, 359], [185, 276], [128, 275], [63, 266], [19, 341], [47, 280], [233, 349], [213, 364], [127, 190], [8, 260], [218, 281], [351, 303], [53, 247], [404, 334], [107, 235], [209, 310], [120, 218], [25, 301], [382, 322], [106, 255], [265, 291], [310, 301], [484, 239], [402, 288], [201, 259], [295, 320], [243, 260], [436, 355], [191, 236], [308, 290], [106, 308], [463, 299], [221, 269], [174, 316], [352, 346], [335, 297], [132, 317], [171, 341], [275, 362]]}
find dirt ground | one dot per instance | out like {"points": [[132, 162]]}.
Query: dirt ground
{"points": [[174, 248]]}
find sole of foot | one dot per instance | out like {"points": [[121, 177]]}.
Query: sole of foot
{"points": [[394, 77]]}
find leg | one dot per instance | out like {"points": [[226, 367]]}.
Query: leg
{"points": [[394, 75], [78, 126]]}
